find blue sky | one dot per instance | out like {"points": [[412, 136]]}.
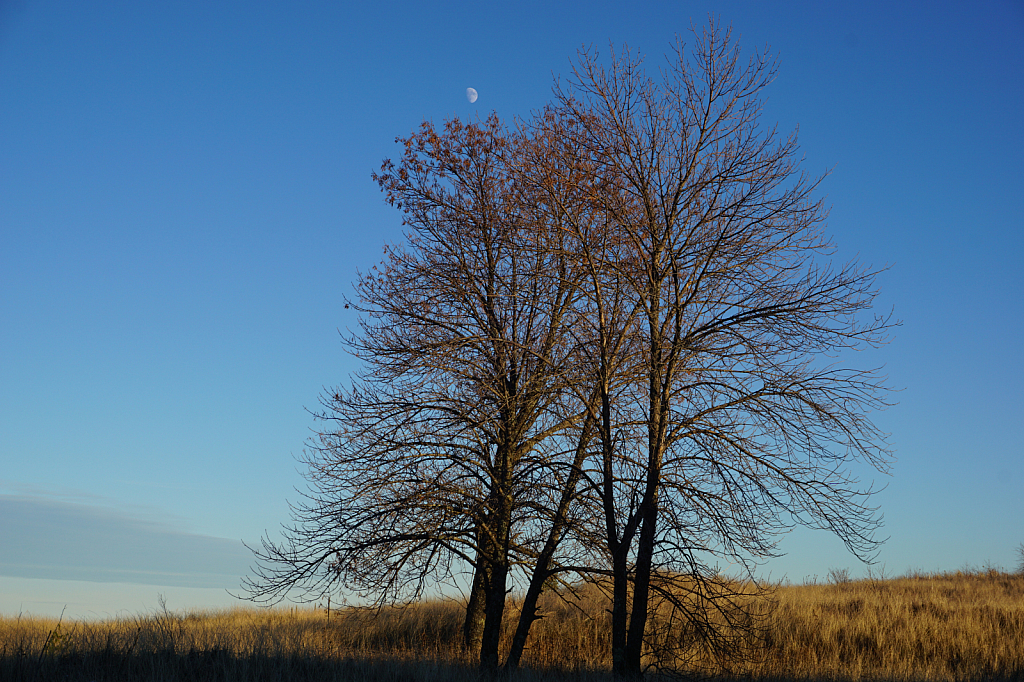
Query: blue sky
{"points": [[185, 199]]}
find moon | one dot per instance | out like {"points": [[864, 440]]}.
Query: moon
{"points": [[471, 95]]}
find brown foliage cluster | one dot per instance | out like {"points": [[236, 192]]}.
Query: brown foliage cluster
{"points": [[955, 626]]}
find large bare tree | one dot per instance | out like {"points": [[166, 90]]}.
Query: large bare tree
{"points": [[611, 345], [448, 445], [712, 247]]}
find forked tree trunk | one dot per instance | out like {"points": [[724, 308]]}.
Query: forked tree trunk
{"points": [[641, 594], [620, 613], [541, 571]]}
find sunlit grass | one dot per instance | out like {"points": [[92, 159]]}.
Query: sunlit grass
{"points": [[959, 626]]}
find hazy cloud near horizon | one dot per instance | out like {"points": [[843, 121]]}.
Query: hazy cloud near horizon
{"points": [[58, 540]]}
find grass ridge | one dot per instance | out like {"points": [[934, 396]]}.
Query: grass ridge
{"points": [[966, 625]]}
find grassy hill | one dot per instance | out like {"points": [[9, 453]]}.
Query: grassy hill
{"points": [[955, 626]]}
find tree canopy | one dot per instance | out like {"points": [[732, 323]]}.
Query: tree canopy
{"points": [[609, 349]]}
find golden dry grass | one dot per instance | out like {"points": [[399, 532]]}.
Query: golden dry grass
{"points": [[962, 626], [959, 626]]}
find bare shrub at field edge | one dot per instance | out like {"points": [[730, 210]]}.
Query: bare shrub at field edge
{"points": [[839, 576], [955, 626]]}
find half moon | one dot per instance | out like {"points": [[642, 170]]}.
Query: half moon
{"points": [[471, 95]]}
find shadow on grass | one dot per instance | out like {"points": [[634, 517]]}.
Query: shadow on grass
{"points": [[222, 665]]}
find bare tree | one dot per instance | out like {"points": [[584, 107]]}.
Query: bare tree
{"points": [[713, 247], [604, 349], [447, 447]]}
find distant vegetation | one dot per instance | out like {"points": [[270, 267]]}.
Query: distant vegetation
{"points": [[953, 626]]}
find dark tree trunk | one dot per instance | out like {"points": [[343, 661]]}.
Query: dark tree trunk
{"points": [[620, 586], [496, 580], [541, 571], [528, 615], [641, 593], [473, 628], [617, 547], [648, 511]]}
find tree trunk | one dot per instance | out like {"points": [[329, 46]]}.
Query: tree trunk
{"points": [[641, 592], [527, 616], [620, 586], [541, 571], [496, 579], [473, 628], [618, 547], [495, 613]]}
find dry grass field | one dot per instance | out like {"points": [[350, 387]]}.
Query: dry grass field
{"points": [[959, 626]]}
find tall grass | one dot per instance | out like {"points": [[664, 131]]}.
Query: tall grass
{"points": [[954, 626], [959, 626]]}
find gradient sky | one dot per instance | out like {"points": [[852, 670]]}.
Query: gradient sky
{"points": [[185, 198]]}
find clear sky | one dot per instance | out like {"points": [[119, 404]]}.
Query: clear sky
{"points": [[185, 199]]}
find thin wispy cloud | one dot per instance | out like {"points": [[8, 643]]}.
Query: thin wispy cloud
{"points": [[59, 540]]}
